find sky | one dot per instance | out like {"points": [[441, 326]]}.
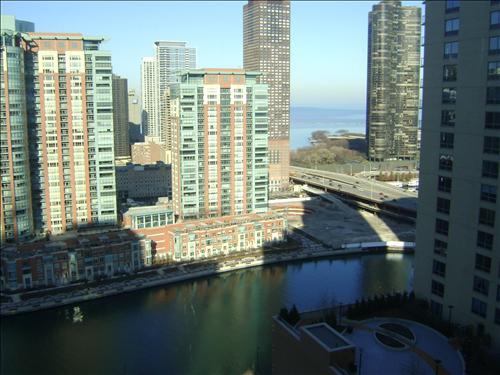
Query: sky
{"points": [[328, 38]]}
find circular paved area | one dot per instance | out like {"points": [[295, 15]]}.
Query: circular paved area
{"points": [[418, 359]]}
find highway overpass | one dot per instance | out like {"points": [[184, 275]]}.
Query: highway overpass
{"points": [[378, 196]]}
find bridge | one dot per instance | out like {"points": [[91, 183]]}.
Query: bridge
{"points": [[367, 194]]}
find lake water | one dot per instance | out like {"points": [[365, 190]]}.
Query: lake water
{"points": [[214, 325], [305, 120]]}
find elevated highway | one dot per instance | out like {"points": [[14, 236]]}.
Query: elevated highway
{"points": [[368, 194]]}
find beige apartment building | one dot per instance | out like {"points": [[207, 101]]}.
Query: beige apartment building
{"points": [[457, 261]]}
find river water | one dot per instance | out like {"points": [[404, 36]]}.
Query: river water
{"points": [[216, 325]]}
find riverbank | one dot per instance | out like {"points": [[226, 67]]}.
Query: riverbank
{"points": [[174, 274]]}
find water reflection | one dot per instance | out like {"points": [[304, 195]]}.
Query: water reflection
{"points": [[208, 326]]}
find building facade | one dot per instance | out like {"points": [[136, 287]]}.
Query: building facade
{"points": [[120, 116], [149, 95], [219, 157], [62, 261], [149, 152], [16, 215], [457, 260], [70, 119], [393, 81], [144, 181], [266, 49], [159, 72], [198, 239]]}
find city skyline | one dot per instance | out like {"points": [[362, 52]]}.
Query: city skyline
{"points": [[343, 61]]}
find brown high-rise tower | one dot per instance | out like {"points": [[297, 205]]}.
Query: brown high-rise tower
{"points": [[266, 48]]}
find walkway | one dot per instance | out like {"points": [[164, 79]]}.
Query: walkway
{"points": [[429, 346]]}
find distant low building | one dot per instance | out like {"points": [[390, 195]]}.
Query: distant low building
{"points": [[148, 216], [149, 152], [138, 181]]}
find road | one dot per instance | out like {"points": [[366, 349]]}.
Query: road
{"points": [[368, 190]]}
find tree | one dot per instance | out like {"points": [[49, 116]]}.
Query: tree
{"points": [[294, 315]]}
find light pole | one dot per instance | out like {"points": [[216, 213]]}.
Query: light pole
{"points": [[450, 309], [437, 362]]}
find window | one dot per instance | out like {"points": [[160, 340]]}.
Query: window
{"points": [[494, 46], [449, 95], [484, 240], [497, 316], [490, 169], [438, 268], [495, 19], [483, 263], [494, 70], [436, 307], [493, 95], [446, 140], [481, 285], [452, 5], [442, 227], [445, 162], [444, 184], [491, 145], [492, 120], [440, 247], [449, 73], [448, 118], [443, 205], [451, 26], [479, 307], [451, 50], [488, 193], [498, 293], [487, 217], [437, 288]]}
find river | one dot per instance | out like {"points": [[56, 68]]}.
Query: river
{"points": [[215, 325]]}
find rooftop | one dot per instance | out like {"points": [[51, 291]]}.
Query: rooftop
{"points": [[326, 336]]}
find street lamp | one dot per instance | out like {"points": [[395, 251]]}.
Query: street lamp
{"points": [[437, 362], [450, 309]]}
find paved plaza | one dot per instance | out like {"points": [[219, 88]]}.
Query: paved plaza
{"points": [[337, 223]]}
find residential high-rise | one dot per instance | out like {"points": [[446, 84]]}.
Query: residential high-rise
{"points": [[457, 260], [120, 116], [266, 49], [158, 73], [220, 130], [392, 97], [16, 216], [70, 117], [149, 93]]}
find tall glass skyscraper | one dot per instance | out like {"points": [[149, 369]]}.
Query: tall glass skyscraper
{"points": [[266, 49], [393, 81]]}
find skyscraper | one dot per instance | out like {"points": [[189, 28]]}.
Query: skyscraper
{"points": [[158, 73], [120, 116], [70, 117], [266, 49], [16, 216], [219, 158], [149, 93], [393, 81], [457, 260]]}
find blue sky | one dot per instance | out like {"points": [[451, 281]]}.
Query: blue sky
{"points": [[328, 38]]}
